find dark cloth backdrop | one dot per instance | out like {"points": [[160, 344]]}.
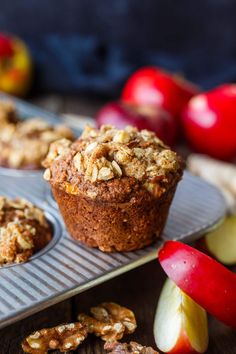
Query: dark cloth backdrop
{"points": [[93, 45]]}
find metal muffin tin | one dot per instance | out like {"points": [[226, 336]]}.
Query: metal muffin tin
{"points": [[66, 267]]}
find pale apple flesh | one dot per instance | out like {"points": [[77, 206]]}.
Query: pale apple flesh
{"points": [[221, 243], [180, 325], [205, 280]]}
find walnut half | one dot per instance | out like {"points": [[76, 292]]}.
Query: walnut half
{"points": [[109, 321], [128, 348], [63, 337]]}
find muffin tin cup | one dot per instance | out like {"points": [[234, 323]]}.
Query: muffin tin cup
{"points": [[57, 232], [25, 185], [66, 267]]}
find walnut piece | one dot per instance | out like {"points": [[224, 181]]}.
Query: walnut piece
{"points": [[109, 321], [125, 348], [63, 337]]}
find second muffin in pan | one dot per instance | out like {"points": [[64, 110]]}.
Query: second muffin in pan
{"points": [[25, 143], [24, 230], [114, 187]]}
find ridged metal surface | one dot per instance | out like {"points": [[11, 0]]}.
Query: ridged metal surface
{"points": [[66, 267]]}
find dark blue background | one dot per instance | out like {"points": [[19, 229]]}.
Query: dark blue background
{"points": [[93, 45]]}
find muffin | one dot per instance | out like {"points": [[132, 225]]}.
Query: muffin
{"points": [[24, 230], [24, 145], [113, 187]]}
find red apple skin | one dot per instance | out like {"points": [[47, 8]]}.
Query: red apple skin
{"points": [[205, 280], [183, 346], [151, 85], [143, 117], [209, 122], [6, 48]]}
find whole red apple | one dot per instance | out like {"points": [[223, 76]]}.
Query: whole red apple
{"points": [[143, 117], [154, 86], [209, 122], [15, 65]]}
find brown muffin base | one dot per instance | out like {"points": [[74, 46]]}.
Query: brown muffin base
{"points": [[114, 226]]}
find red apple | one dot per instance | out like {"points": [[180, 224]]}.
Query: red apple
{"points": [[142, 117], [157, 87], [15, 65], [180, 325], [209, 122], [205, 280]]}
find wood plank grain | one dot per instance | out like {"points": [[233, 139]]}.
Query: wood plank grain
{"points": [[139, 290], [12, 336]]}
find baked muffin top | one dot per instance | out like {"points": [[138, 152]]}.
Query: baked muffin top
{"points": [[107, 154], [23, 230], [25, 144]]}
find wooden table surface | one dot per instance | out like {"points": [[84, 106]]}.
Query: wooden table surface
{"points": [[138, 289]]}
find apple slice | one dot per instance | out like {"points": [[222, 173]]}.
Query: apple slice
{"points": [[205, 280], [221, 243], [180, 324]]}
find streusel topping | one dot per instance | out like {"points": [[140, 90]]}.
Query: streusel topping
{"points": [[23, 230], [109, 153], [25, 144]]}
